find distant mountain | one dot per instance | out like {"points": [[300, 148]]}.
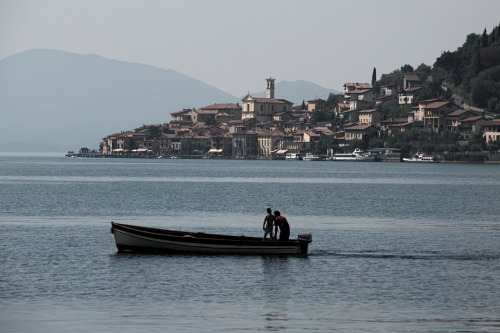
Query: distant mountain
{"points": [[298, 91], [55, 101]]}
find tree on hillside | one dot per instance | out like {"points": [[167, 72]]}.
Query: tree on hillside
{"points": [[484, 39], [374, 76], [485, 86], [333, 100], [327, 142], [407, 69], [423, 71], [318, 116], [477, 138], [395, 77]]}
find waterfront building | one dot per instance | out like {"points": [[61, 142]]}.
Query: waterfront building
{"points": [[269, 141], [406, 96], [317, 104], [435, 114], [370, 117], [232, 109], [491, 130], [411, 81], [357, 132], [245, 143]]}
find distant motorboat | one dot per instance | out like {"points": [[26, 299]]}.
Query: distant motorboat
{"points": [[311, 157], [421, 158], [293, 156], [357, 155]]}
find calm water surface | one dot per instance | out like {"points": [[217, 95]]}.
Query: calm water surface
{"points": [[396, 247]]}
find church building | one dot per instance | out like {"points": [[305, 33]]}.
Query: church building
{"points": [[263, 109]]}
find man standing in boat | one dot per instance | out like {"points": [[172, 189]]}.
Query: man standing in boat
{"points": [[268, 224], [282, 223]]}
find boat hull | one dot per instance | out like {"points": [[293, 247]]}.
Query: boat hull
{"points": [[142, 239], [356, 156], [419, 159]]}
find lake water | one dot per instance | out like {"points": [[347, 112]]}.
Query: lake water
{"points": [[397, 247]]}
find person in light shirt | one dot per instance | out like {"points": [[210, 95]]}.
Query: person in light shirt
{"points": [[268, 224]]}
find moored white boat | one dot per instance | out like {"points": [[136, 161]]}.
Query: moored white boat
{"points": [[311, 157], [144, 239], [421, 158], [294, 156], [356, 155]]}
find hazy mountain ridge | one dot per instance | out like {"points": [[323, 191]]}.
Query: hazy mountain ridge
{"points": [[54, 100]]}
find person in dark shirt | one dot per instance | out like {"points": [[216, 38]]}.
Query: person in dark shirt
{"points": [[282, 223], [268, 224]]}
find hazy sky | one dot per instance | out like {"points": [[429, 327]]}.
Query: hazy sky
{"points": [[235, 45]]}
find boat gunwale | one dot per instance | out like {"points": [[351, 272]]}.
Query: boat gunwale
{"points": [[202, 238]]}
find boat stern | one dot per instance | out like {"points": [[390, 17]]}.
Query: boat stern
{"points": [[304, 240]]}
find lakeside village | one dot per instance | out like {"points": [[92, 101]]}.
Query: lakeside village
{"points": [[273, 128]]}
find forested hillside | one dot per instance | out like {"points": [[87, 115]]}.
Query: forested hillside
{"points": [[472, 71]]}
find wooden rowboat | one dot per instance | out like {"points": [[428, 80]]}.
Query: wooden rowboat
{"points": [[144, 239]]}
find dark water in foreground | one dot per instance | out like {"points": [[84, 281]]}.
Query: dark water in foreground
{"points": [[396, 247]]}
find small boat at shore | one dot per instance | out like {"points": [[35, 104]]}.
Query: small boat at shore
{"points": [[421, 158], [143, 239], [357, 155], [311, 157], [294, 156]]}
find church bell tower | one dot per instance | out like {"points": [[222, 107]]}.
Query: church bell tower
{"points": [[270, 88]]}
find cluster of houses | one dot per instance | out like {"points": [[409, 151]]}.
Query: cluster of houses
{"points": [[270, 127]]}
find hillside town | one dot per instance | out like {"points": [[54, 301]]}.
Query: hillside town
{"points": [[272, 128]]}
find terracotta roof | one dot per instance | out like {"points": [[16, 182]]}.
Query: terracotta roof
{"points": [[221, 106], [369, 111], [411, 77], [457, 113], [206, 111], [364, 85], [472, 119], [361, 127], [436, 105], [268, 100], [358, 91], [495, 122], [429, 101], [311, 133], [402, 125], [324, 130]]}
